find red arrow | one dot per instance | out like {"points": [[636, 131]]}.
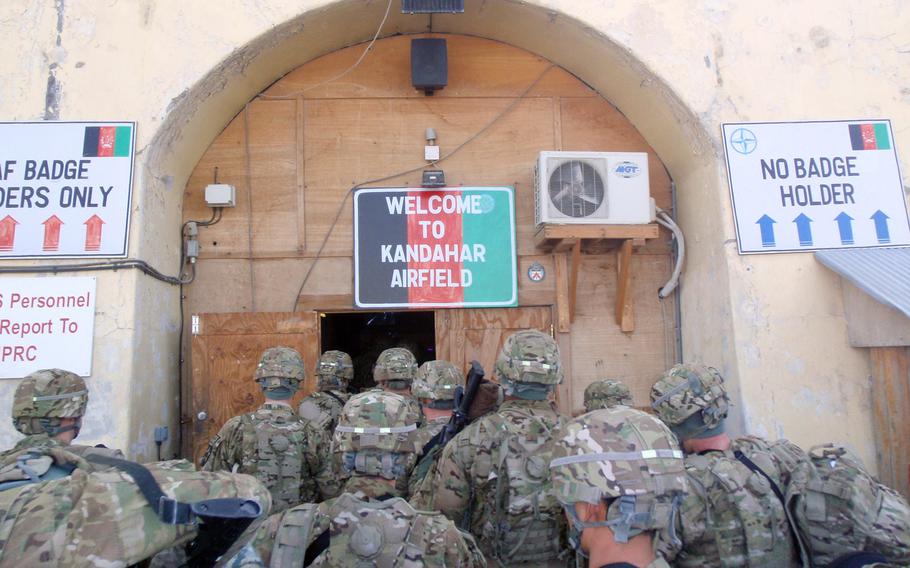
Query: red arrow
{"points": [[52, 233], [93, 233], [7, 233]]}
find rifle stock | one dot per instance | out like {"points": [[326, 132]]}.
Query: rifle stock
{"points": [[464, 398]]}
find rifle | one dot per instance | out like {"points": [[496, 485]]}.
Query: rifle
{"points": [[461, 415]]}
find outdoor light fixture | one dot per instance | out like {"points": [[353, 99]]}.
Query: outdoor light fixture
{"points": [[432, 6], [433, 178]]}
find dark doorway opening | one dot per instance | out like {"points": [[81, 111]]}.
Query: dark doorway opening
{"points": [[364, 335]]}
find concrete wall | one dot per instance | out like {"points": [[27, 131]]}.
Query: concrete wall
{"points": [[676, 69]]}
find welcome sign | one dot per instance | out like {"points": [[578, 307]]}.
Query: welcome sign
{"points": [[435, 248]]}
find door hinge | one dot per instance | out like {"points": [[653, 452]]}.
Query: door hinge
{"points": [[195, 324]]}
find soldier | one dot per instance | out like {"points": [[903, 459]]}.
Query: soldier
{"points": [[394, 371], [733, 517], [493, 478], [607, 393], [117, 513], [283, 451], [334, 371], [369, 525], [619, 475], [48, 407], [435, 388]]}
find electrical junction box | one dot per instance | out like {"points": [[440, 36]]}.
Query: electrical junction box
{"points": [[592, 188], [220, 195]]}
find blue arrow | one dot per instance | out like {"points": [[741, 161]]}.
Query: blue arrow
{"points": [[804, 230], [767, 230], [845, 226], [881, 227]]}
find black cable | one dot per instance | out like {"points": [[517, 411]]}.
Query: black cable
{"points": [[140, 265]]}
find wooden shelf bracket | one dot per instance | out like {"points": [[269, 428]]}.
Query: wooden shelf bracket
{"points": [[568, 239]]}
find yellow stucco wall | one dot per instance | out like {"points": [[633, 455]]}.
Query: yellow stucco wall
{"points": [[676, 69]]}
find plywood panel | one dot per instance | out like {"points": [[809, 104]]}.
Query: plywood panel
{"points": [[477, 68], [224, 358], [891, 414], [464, 335], [351, 141]]}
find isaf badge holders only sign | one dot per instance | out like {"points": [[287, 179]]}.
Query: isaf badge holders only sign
{"points": [[435, 248], [65, 188], [802, 186]]}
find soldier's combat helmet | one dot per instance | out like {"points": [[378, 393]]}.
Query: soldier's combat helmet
{"points": [[376, 435], [395, 367], [280, 372], [606, 393], [334, 370], [626, 458], [528, 365], [46, 396], [437, 381], [692, 400]]}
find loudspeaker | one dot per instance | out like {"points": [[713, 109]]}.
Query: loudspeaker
{"points": [[429, 64]]}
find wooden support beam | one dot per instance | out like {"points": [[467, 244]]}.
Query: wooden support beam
{"points": [[573, 278], [564, 245], [563, 317], [624, 315]]}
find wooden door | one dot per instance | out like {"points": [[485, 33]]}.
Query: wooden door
{"points": [[225, 351], [467, 334]]}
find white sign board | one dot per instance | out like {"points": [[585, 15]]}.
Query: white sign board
{"points": [[46, 323], [65, 188], [799, 186]]}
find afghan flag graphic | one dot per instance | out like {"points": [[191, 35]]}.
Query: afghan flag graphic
{"points": [[106, 141], [435, 247], [870, 136]]}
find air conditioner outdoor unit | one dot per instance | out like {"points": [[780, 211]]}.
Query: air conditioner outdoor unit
{"points": [[592, 188]]}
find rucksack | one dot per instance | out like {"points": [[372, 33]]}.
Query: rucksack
{"points": [[732, 516], [383, 530], [527, 523], [839, 508], [278, 457]]}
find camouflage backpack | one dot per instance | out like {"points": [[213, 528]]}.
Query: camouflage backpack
{"points": [[839, 508], [732, 516], [273, 452], [363, 533], [527, 523]]}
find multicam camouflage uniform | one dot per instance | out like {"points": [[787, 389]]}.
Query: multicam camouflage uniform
{"points": [[435, 387], [606, 393], [286, 453], [95, 516], [334, 372], [493, 477], [351, 530], [394, 371], [41, 400], [374, 444], [627, 458], [732, 516]]}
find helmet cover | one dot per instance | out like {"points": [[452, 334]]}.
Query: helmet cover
{"points": [[48, 394], [395, 364], [280, 370], [606, 393], [334, 369], [436, 380], [625, 457], [687, 390]]}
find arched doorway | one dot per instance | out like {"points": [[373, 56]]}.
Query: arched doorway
{"points": [[294, 152]]}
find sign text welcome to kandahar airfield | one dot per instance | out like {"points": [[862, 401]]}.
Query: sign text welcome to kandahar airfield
{"points": [[799, 186], [435, 248]]}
